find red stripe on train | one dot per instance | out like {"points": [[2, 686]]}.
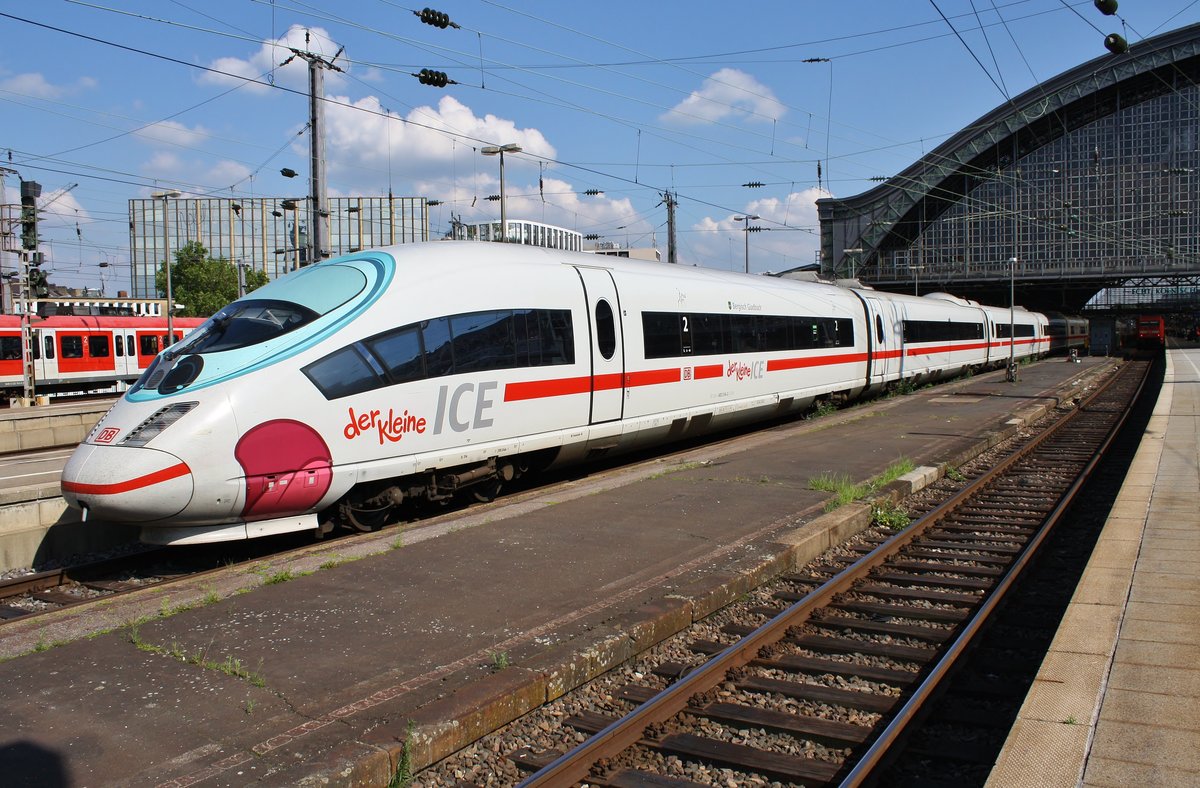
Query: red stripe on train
{"points": [[166, 474]]}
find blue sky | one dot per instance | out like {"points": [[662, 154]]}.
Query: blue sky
{"points": [[124, 98]]}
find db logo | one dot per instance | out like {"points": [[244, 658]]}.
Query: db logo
{"points": [[107, 435]]}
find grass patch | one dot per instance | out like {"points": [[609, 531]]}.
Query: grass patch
{"points": [[823, 407], [282, 576], [954, 474], [687, 466], [888, 515], [499, 660], [404, 771], [845, 491], [398, 542], [230, 666]]}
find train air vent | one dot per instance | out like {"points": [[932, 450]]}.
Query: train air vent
{"points": [[159, 421]]}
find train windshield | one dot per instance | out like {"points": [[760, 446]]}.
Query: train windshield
{"points": [[245, 323], [275, 309]]}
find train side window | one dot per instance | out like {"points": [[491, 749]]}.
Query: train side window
{"points": [[98, 347], [661, 332], [879, 329], [36, 347], [710, 334], [557, 336], [344, 372], [439, 350], [149, 345], [49, 341], [745, 334], [72, 346], [483, 341], [129, 347], [10, 348], [118, 345], [606, 330], [776, 334], [400, 352]]}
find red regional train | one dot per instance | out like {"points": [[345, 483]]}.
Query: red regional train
{"points": [[1151, 331], [78, 353]]}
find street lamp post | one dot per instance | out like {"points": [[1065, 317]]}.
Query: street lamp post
{"points": [[164, 196], [746, 231], [1011, 376], [493, 150]]}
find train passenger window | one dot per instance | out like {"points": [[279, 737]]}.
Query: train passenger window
{"points": [[149, 345], [343, 373], [10, 348], [606, 329], [483, 341], [49, 341], [439, 351], [400, 352], [557, 337], [745, 335], [879, 329], [36, 347], [661, 334], [98, 347], [72, 346], [709, 334], [129, 349], [119, 346], [776, 333]]}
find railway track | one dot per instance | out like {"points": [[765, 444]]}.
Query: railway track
{"points": [[873, 638]]}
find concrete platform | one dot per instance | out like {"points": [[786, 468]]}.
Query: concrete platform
{"points": [[35, 522], [343, 656], [1115, 701]]}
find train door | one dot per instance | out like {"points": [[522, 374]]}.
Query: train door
{"points": [[148, 345], [606, 344], [884, 340]]}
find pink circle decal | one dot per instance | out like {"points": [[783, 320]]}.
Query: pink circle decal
{"points": [[288, 468]]}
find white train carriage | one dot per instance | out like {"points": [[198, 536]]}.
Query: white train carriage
{"points": [[338, 393]]}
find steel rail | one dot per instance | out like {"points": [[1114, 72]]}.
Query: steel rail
{"points": [[575, 765], [895, 729]]}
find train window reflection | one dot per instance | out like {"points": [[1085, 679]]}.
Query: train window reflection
{"points": [[246, 323], [72, 346], [10, 348], [468, 342], [400, 352], [342, 373], [606, 331], [98, 347]]}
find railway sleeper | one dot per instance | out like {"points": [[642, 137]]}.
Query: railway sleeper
{"points": [[828, 732]]}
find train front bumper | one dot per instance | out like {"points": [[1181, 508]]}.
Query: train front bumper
{"points": [[126, 484]]}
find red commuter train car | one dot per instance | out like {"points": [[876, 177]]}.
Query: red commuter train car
{"points": [[81, 353]]}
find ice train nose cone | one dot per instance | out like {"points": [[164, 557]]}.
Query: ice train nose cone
{"points": [[135, 485]]}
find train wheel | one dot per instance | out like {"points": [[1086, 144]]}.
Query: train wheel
{"points": [[487, 491], [365, 520]]}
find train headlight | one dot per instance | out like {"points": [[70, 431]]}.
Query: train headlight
{"points": [[159, 421]]}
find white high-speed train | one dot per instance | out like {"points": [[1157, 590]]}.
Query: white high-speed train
{"points": [[339, 392]]}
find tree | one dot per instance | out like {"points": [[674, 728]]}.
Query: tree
{"points": [[203, 284]]}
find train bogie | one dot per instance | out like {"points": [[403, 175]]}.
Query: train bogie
{"points": [[345, 391]]}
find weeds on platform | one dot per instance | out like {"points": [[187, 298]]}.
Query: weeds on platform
{"points": [[845, 491], [230, 666], [954, 474], [404, 772], [499, 660]]}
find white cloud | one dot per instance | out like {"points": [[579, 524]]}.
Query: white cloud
{"points": [[422, 143], [35, 85], [728, 92], [792, 238], [268, 59], [169, 132]]}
